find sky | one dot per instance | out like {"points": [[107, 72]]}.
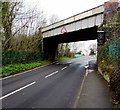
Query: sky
{"points": [[64, 9], [83, 46]]}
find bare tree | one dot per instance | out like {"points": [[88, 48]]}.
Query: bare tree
{"points": [[29, 21], [20, 22], [9, 10], [93, 46], [53, 18]]}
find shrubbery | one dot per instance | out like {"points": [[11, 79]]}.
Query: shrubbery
{"points": [[15, 57], [110, 70], [109, 53]]}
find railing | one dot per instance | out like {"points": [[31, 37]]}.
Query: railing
{"points": [[114, 50]]}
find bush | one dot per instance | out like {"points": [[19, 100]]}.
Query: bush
{"points": [[109, 67], [15, 57]]}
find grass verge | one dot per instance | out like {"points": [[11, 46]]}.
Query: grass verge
{"points": [[65, 58], [16, 68]]}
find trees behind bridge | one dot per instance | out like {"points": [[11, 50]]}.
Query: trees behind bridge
{"points": [[64, 50], [20, 29]]}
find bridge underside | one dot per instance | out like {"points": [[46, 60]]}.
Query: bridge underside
{"points": [[51, 43]]}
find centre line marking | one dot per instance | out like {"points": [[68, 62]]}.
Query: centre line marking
{"points": [[51, 74], [17, 90], [64, 68]]}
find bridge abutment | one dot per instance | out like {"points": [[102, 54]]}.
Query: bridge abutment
{"points": [[50, 48]]}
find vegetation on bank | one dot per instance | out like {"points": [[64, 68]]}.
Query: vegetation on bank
{"points": [[16, 68], [109, 58], [109, 68]]}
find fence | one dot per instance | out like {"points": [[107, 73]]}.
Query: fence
{"points": [[114, 49], [14, 57]]}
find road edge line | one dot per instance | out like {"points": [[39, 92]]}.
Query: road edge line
{"points": [[79, 93]]}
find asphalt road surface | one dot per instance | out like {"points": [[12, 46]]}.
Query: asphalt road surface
{"points": [[51, 86]]}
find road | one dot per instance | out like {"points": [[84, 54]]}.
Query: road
{"points": [[52, 86]]}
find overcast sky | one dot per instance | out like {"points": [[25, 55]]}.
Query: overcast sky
{"points": [[63, 8]]}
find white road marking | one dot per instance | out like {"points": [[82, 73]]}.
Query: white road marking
{"points": [[87, 72], [86, 66], [51, 74], [90, 70], [79, 93], [17, 90], [64, 68]]}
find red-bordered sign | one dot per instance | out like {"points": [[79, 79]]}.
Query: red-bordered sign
{"points": [[63, 30]]}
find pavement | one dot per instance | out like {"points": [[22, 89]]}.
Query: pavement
{"points": [[95, 92]]}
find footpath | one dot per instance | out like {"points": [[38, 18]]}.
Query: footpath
{"points": [[95, 92]]}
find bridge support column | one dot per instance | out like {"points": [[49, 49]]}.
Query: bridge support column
{"points": [[50, 49]]}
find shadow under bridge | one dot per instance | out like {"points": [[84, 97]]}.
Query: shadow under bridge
{"points": [[50, 44]]}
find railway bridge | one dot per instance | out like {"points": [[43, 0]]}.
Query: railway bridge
{"points": [[81, 27]]}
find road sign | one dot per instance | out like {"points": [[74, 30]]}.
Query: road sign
{"points": [[63, 30]]}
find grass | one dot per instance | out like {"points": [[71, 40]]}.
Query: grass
{"points": [[16, 68], [65, 58]]}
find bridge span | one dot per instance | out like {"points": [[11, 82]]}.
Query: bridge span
{"points": [[81, 27]]}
